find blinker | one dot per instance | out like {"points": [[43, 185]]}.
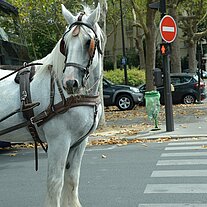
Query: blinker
{"points": [[62, 47], [91, 49]]}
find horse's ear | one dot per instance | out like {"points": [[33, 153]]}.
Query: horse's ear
{"points": [[95, 15], [67, 15]]}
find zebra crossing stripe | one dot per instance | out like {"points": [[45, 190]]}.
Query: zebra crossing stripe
{"points": [[188, 143], [185, 148], [179, 188], [184, 154], [176, 188], [173, 205], [179, 173], [183, 162]]}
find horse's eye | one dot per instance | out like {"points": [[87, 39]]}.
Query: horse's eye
{"points": [[88, 43]]}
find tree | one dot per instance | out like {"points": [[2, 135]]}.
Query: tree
{"points": [[113, 18], [175, 57], [42, 23], [147, 23], [139, 41], [193, 15]]}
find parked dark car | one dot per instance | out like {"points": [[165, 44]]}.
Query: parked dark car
{"points": [[123, 96], [4, 144], [185, 89]]}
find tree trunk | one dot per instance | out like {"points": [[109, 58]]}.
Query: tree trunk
{"points": [[149, 29], [139, 41], [140, 47], [192, 56], [175, 45], [114, 55], [150, 48], [104, 7]]}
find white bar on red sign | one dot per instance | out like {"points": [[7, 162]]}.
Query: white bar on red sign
{"points": [[168, 29]]}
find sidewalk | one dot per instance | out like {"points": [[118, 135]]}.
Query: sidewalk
{"points": [[193, 124], [186, 130]]}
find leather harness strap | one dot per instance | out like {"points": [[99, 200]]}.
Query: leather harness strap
{"points": [[25, 96], [60, 108]]}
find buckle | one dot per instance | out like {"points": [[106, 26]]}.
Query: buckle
{"points": [[32, 120]]}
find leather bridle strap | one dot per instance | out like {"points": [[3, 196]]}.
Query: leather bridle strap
{"points": [[91, 28], [76, 65], [80, 23]]}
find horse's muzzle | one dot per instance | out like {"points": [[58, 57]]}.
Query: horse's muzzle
{"points": [[71, 86]]}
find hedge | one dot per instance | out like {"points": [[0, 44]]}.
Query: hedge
{"points": [[135, 76]]}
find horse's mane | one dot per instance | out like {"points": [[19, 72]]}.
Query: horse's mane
{"points": [[56, 58]]}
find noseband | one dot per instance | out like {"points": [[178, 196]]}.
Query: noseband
{"points": [[93, 44]]}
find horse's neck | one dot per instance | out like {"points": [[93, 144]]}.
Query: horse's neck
{"points": [[41, 86]]}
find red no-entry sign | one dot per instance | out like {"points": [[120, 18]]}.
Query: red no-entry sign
{"points": [[168, 29]]}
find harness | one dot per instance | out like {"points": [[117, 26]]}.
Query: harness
{"points": [[33, 121], [25, 76]]}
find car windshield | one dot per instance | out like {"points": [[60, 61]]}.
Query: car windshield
{"points": [[108, 81], [180, 79]]}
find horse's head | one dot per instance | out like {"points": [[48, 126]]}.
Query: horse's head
{"points": [[80, 45]]}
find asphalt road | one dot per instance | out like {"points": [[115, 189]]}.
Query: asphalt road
{"points": [[138, 175]]}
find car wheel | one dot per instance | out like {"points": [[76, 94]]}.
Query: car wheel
{"points": [[125, 102], [189, 99]]}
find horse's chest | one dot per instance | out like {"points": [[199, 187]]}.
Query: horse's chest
{"points": [[76, 122]]}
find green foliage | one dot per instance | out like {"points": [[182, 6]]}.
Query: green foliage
{"points": [[42, 23], [135, 76]]}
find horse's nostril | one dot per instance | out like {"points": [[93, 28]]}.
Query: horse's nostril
{"points": [[75, 84], [72, 84]]}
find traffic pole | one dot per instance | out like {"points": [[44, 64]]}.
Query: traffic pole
{"points": [[167, 87], [168, 31], [124, 60]]}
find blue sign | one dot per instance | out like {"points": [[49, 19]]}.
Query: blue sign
{"points": [[123, 61]]}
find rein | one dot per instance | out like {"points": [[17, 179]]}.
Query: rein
{"points": [[21, 68]]}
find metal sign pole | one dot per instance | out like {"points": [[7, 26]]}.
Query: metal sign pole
{"points": [[123, 46], [167, 91], [168, 30]]}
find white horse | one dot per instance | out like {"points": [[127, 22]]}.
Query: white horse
{"points": [[77, 64]]}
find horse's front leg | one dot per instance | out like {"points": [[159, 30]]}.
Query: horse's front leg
{"points": [[58, 149], [72, 174]]}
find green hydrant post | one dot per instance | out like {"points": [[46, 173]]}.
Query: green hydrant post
{"points": [[152, 99]]}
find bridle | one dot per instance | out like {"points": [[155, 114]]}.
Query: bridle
{"points": [[93, 44]]}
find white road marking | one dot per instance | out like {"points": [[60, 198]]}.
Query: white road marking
{"points": [[185, 148], [173, 205], [184, 154], [183, 162], [176, 188], [179, 173], [187, 143]]}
